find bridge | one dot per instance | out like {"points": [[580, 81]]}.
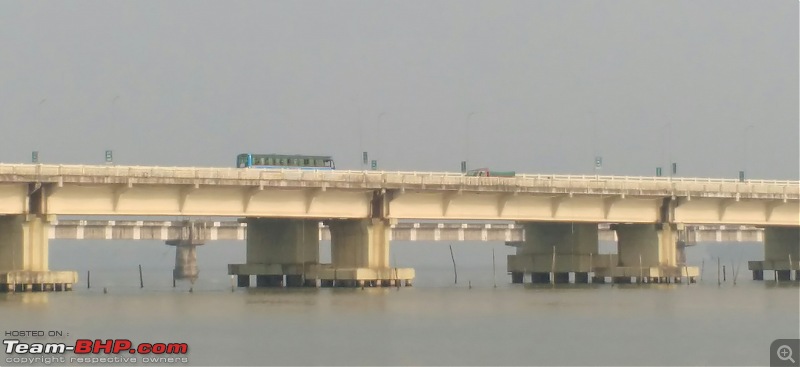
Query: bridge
{"points": [[283, 209], [512, 234]]}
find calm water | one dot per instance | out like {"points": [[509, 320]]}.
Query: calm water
{"points": [[433, 323]]}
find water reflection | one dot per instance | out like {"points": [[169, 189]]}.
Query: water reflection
{"points": [[25, 297]]}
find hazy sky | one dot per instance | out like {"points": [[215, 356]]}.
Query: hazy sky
{"points": [[532, 86]]}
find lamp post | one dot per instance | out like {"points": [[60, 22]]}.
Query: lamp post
{"points": [[743, 174], [673, 166], [466, 139], [378, 137]]}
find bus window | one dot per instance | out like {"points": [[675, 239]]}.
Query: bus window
{"points": [[241, 162], [295, 162], [270, 161]]}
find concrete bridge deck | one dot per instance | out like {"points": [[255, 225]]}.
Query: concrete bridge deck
{"points": [[128, 190]]}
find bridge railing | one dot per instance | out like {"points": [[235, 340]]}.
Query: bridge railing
{"points": [[676, 185]]}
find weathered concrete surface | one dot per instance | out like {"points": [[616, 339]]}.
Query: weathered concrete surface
{"points": [[781, 252]]}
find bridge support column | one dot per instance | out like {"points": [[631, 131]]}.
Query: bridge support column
{"points": [[780, 245], [278, 248], [649, 251], [575, 247], [24, 256], [360, 254], [185, 259]]}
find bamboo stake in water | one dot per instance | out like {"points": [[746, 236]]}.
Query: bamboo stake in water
{"points": [[494, 270], [640, 269], [702, 268], [455, 272], [88, 279], [686, 270], [141, 280], [724, 274], [553, 268], [733, 271], [396, 281]]}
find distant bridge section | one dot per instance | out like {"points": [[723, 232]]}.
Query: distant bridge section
{"points": [[203, 231]]}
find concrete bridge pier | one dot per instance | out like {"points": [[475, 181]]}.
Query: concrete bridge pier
{"points": [[24, 254], [555, 250], [280, 252], [185, 259], [781, 244], [649, 252], [360, 255]]}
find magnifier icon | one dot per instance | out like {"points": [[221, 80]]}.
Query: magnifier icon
{"points": [[785, 353]]}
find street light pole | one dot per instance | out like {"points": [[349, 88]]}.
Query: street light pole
{"points": [[744, 143], [378, 135], [671, 166], [466, 142]]}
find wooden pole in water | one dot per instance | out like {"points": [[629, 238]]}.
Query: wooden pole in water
{"points": [[494, 270], [455, 272], [396, 281], [686, 270], [553, 267], [733, 271], [702, 268], [141, 279], [88, 279], [724, 274], [640, 269]]}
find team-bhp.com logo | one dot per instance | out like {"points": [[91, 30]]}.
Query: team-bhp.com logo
{"points": [[86, 351]]}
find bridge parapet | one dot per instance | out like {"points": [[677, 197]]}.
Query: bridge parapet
{"points": [[542, 183]]}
